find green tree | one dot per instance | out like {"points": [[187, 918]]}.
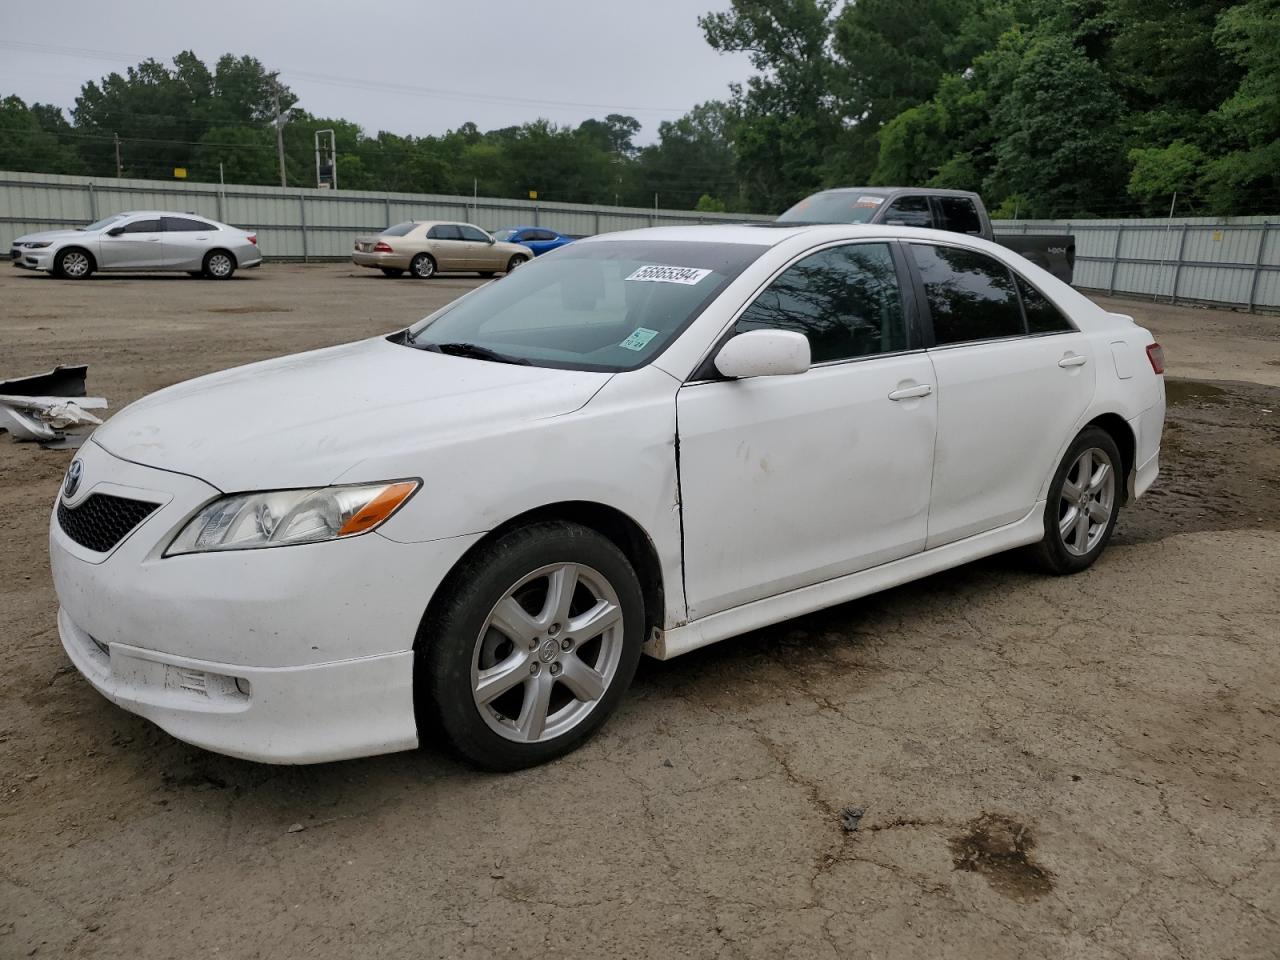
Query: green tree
{"points": [[787, 117], [27, 143], [1248, 170], [1060, 124]]}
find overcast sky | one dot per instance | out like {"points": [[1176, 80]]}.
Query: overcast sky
{"points": [[493, 62]]}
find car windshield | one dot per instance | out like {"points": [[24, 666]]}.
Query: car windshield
{"points": [[837, 206], [103, 223], [607, 305], [503, 235], [399, 230]]}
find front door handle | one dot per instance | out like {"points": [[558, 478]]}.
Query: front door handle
{"points": [[912, 393], [1073, 360], [153, 239]]}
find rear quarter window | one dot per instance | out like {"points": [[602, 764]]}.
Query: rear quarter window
{"points": [[1042, 315]]}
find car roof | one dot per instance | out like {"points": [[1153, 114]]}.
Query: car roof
{"points": [[894, 191], [770, 234], [164, 213]]}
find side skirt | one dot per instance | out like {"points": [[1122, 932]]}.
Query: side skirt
{"points": [[666, 644]]}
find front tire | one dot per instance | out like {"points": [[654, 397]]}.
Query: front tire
{"points": [[219, 265], [1083, 504], [74, 264], [516, 261], [534, 645], [422, 267]]}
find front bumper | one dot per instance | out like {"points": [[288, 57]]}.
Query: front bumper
{"points": [[321, 635], [310, 714], [31, 259]]}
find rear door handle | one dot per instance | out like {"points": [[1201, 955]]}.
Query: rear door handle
{"points": [[912, 393], [1073, 360], [153, 239]]}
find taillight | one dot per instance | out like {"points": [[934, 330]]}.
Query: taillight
{"points": [[252, 238], [382, 247], [1155, 353]]}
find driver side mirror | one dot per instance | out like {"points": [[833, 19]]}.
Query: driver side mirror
{"points": [[491, 241], [764, 353], [115, 231]]}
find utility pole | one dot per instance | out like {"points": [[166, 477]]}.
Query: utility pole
{"points": [[118, 167], [275, 96]]}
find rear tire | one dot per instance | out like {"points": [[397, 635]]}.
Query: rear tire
{"points": [[533, 646], [219, 265], [74, 264], [1083, 505], [422, 267], [391, 271]]}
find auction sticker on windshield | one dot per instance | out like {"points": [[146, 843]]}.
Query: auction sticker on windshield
{"points": [[686, 275], [638, 339]]}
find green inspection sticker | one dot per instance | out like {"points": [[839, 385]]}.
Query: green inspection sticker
{"points": [[639, 339]]}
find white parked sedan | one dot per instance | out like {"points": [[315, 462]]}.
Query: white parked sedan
{"points": [[140, 241], [642, 442]]}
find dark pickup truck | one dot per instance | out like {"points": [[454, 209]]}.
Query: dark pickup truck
{"points": [[956, 210]]}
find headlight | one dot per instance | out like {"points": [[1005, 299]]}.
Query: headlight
{"points": [[276, 518], [37, 245]]}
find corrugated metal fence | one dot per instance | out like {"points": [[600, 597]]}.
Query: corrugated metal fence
{"points": [[302, 224], [1197, 259], [1234, 263]]}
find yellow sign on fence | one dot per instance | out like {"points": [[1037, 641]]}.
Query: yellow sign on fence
{"points": [[180, 172], [533, 194]]}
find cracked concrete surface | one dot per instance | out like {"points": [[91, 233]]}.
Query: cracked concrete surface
{"points": [[1126, 719]]}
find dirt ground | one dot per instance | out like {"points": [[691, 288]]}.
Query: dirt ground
{"points": [[1080, 767]]}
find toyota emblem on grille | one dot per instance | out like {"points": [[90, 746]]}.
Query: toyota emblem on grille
{"points": [[72, 483]]}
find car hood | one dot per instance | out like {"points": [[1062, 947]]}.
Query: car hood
{"points": [[304, 420], [52, 235]]}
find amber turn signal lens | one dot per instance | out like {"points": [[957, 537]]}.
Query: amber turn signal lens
{"points": [[378, 509]]}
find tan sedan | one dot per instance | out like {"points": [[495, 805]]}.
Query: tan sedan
{"points": [[428, 247]]}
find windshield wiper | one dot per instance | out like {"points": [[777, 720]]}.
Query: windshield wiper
{"points": [[474, 351]]}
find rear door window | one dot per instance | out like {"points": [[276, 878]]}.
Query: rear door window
{"points": [[845, 300], [909, 212], [1042, 315], [959, 215], [971, 296], [185, 225], [444, 231]]}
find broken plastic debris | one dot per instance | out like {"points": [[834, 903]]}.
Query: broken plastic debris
{"points": [[850, 817], [46, 406]]}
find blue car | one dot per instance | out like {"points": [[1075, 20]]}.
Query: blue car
{"points": [[537, 239]]}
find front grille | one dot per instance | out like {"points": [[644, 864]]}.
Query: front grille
{"points": [[102, 520]]}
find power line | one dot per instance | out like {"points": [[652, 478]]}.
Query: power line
{"points": [[85, 53]]}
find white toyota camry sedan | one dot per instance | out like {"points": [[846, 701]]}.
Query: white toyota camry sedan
{"points": [[641, 443]]}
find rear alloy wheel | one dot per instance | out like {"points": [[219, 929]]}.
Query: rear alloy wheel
{"points": [[422, 267], [516, 261], [391, 271], [534, 647], [218, 265], [74, 264], [1083, 504]]}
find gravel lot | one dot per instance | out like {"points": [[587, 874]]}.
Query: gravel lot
{"points": [[1082, 767]]}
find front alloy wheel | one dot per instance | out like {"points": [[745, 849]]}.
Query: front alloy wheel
{"points": [[548, 651], [75, 264], [532, 645]]}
